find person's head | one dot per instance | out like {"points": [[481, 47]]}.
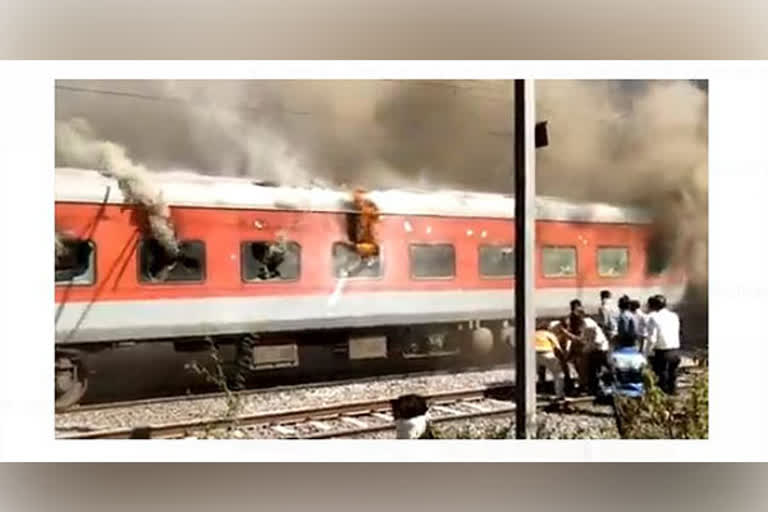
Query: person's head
{"points": [[410, 413], [576, 321], [657, 303], [634, 305], [575, 304], [624, 303], [605, 295]]}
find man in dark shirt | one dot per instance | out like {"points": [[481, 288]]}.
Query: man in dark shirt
{"points": [[627, 324]]}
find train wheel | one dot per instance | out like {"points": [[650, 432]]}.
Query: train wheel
{"points": [[481, 340], [71, 380]]}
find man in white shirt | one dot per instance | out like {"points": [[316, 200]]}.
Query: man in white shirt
{"points": [[607, 315], [642, 321], [663, 332]]}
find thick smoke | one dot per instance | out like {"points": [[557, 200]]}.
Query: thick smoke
{"points": [[647, 147], [356, 133], [77, 146], [628, 142]]}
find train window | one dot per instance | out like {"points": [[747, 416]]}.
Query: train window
{"points": [[348, 263], [657, 255], [270, 261], [156, 266], [433, 261], [75, 262], [558, 261], [612, 261], [497, 261]]}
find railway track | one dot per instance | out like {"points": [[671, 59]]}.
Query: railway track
{"points": [[324, 422], [688, 368], [272, 389], [338, 420]]}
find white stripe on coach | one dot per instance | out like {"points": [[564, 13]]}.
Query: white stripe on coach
{"points": [[165, 318]]}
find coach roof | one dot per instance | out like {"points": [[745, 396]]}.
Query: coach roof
{"points": [[195, 190]]}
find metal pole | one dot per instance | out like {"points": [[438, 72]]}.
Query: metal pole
{"points": [[525, 251]]}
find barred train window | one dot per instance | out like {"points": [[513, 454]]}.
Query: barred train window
{"points": [[612, 261], [76, 262], [270, 261], [432, 261], [348, 263], [156, 266], [497, 261], [558, 261]]}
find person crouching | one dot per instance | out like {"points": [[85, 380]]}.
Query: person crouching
{"points": [[411, 415], [550, 356], [627, 365], [586, 332]]}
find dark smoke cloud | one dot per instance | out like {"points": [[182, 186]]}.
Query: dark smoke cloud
{"points": [[641, 142]]}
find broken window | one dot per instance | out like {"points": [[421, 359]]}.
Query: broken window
{"points": [[156, 265], [612, 261], [497, 261], [558, 261], [347, 262], [75, 262], [270, 261], [433, 261]]}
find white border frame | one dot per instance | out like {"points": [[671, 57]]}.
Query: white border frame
{"points": [[738, 177]]}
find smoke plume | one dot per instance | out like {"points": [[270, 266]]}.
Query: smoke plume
{"points": [[77, 146], [647, 147], [635, 142]]}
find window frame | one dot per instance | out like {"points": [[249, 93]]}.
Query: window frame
{"points": [[244, 243], [430, 244], [575, 261], [382, 268], [597, 261], [479, 260], [94, 258], [145, 282]]}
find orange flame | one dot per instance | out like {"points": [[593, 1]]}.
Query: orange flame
{"points": [[365, 238]]}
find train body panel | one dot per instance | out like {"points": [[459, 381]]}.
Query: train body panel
{"points": [[117, 304]]}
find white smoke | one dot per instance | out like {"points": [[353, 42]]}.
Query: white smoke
{"points": [[76, 146]]}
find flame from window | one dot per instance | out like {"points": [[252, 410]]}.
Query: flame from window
{"points": [[365, 238]]}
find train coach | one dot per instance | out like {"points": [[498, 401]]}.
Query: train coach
{"points": [[267, 268]]}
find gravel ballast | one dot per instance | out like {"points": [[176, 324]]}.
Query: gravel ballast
{"points": [[263, 402]]}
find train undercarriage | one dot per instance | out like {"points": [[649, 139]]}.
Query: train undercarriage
{"points": [[302, 353]]}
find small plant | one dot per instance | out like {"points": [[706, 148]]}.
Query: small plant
{"points": [[660, 416], [218, 378]]}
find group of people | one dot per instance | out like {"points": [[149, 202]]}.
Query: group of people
{"points": [[610, 352]]}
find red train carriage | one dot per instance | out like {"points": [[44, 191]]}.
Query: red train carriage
{"points": [[441, 282]]}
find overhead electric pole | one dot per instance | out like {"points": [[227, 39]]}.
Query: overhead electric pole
{"points": [[525, 252]]}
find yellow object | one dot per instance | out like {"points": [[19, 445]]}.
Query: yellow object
{"points": [[546, 341]]}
